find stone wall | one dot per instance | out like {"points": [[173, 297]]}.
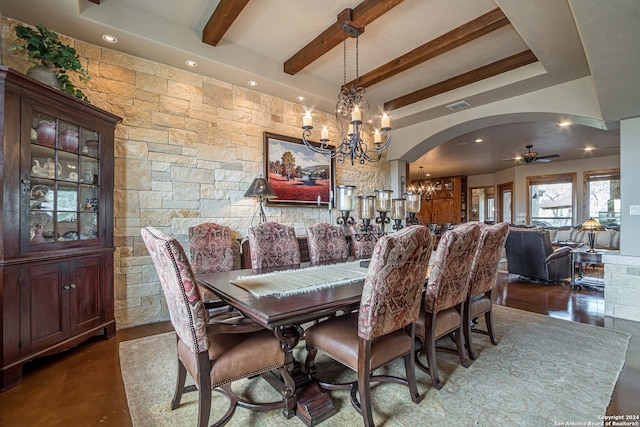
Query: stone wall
{"points": [[621, 286], [186, 151]]}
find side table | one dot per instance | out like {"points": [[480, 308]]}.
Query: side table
{"points": [[583, 256]]}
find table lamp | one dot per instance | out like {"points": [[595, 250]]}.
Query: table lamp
{"points": [[591, 225], [261, 190]]}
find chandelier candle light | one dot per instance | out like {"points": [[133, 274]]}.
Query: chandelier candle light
{"points": [[352, 112]]}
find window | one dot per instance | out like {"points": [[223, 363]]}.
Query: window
{"points": [[551, 200], [602, 197]]}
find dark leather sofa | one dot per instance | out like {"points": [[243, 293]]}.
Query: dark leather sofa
{"points": [[531, 256]]}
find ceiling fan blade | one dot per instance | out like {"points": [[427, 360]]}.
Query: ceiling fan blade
{"points": [[550, 156]]}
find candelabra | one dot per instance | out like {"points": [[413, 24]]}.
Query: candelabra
{"points": [[344, 203], [383, 206], [413, 207], [398, 213]]}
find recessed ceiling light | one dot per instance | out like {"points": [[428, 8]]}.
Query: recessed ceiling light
{"points": [[191, 63], [479, 140], [462, 143], [252, 83], [109, 38], [565, 123], [300, 98], [427, 174], [589, 148]]}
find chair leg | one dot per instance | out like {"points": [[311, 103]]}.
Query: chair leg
{"points": [[430, 344], [488, 317], [364, 378], [180, 380], [460, 346], [466, 321], [204, 394], [410, 371]]}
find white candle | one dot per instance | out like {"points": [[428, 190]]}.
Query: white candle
{"points": [[350, 130], [386, 121], [307, 121], [325, 133], [319, 200], [377, 137], [356, 115], [345, 202]]}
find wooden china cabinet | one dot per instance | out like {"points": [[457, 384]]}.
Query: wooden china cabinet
{"points": [[56, 222]]}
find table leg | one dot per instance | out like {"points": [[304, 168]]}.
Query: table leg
{"points": [[311, 404]]}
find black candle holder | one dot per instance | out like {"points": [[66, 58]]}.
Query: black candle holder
{"points": [[345, 221], [397, 224], [412, 219], [382, 220]]}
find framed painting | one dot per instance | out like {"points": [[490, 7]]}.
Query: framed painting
{"points": [[299, 176]]}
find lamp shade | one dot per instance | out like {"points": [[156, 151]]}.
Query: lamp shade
{"points": [[260, 188], [591, 225]]}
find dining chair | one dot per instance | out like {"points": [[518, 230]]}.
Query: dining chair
{"points": [[273, 245], [214, 354], [445, 295], [326, 243], [383, 328], [483, 278], [362, 245], [211, 251]]}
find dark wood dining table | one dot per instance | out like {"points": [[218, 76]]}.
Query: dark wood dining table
{"points": [[284, 315]]}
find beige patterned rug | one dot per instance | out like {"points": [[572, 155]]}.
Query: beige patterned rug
{"points": [[544, 371]]}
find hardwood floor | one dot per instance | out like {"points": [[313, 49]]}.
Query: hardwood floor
{"points": [[83, 386]]}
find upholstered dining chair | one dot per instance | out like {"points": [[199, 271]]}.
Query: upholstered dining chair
{"points": [[326, 243], [483, 278], [211, 252], [273, 245], [383, 328], [445, 295], [214, 354], [362, 246]]}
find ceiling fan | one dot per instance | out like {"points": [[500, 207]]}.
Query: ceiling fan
{"points": [[532, 156]]}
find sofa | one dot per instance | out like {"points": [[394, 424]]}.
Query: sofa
{"points": [[573, 236]]}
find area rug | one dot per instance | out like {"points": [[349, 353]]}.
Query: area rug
{"points": [[543, 372]]}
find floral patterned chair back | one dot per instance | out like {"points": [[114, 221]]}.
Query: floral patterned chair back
{"points": [[210, 248], [394, 282], [362, 247], [273, 245], [186, 309], [449, 279], [326, 243], [484, 270]]}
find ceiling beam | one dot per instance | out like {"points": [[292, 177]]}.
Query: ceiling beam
{"points": [[465, 33], [507, 64], [221, 19], [363, 14], [95, 1]]}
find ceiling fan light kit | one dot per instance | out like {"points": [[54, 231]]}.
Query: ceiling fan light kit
{"points": [[532, 156]]}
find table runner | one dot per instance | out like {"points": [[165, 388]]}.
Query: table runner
{"points": [[291, 282]]}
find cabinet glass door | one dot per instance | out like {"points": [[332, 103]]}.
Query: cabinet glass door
{"points": [[64, 181]]}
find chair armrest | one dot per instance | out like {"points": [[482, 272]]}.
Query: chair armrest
{"points": [[559, 253]]}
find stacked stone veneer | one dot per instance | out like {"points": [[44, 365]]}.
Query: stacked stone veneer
{"points": [[621, 286], [186, 151]]}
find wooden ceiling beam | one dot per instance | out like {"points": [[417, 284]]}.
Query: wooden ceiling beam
{"points": [[95, 1], [221, 19], [363, 14], [465, 33], [507, 64]]}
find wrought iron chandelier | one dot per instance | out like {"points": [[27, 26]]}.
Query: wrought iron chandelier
{"points": [[425, 189], [352, 112]]}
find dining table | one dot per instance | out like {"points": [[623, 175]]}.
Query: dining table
{"points": [[283, 299]]}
